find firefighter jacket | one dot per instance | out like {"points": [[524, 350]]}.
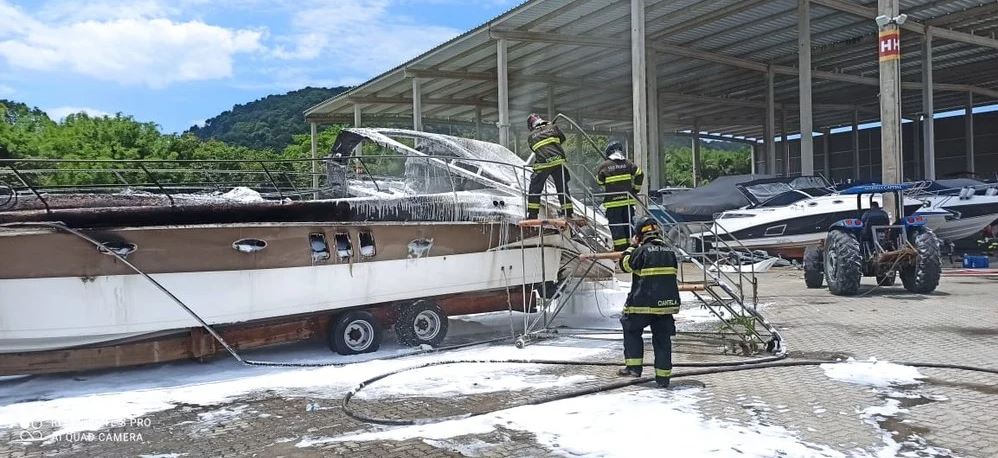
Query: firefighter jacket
{"points": [[654, 287], [621, 180], [545, 141]]}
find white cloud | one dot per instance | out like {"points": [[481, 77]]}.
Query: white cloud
{"points": [[129, 48], [60, 113], [362, 37]]}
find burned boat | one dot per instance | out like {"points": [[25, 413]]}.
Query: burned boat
{"points": [[395, 237]]}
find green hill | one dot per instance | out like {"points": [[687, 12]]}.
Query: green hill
{"points": [[267, 123]]}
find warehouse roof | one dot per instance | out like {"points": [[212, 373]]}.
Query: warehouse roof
{"points": [[712, 61]]}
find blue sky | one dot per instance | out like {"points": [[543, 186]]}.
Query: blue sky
{"points": [[179, 62]]}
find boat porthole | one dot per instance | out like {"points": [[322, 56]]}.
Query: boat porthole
{"points": [[119, 248], [249, 245]]}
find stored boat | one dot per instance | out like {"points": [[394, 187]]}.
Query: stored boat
{"points": [[959, 208], [788, 220], [383, 236]]}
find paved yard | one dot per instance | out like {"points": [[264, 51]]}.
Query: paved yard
{"points": [[797, 411]]}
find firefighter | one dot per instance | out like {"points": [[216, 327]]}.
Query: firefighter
{"points": [[545, 141], [621, 181], [653, 299]]}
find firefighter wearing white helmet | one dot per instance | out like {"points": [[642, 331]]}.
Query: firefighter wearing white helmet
{"points": [[621, 181], [653, 299], [545, 141]]}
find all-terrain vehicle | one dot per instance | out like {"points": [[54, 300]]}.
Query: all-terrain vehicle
{"points": [[877, 248]]}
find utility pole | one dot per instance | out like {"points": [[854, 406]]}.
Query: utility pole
{"points": [[889, 49]]}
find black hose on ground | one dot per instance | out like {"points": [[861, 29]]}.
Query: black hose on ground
{"points": [[703, 369]]}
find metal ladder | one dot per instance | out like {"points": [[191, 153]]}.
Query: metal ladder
{"points": [[723, 294]]}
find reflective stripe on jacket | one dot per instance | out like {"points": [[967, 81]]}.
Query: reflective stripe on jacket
{"points": [[654, 285], [545, 141], [621, 180]]}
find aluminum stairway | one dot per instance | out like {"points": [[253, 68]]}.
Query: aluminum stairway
{"points": [[729, 296]]}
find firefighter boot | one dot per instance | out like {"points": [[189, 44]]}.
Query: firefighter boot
{"points": [[629, 372]]}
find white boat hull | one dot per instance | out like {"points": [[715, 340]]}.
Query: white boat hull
{"points": [[961, 228], [51, 313]]}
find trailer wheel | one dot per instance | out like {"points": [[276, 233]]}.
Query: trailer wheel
{"points": [[421, 323], [843, 264], [923, 276], [813, 274], [354, 332]]}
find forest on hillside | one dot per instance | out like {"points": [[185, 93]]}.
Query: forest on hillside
{"points": [[27, 132], [267, 123]]}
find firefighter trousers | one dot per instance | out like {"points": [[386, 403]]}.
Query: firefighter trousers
{"points": [[619, 219], [663, 327], [537, 182]]}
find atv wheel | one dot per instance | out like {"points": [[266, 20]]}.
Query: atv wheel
{"points": [[923, 276], [813, 275], [843, 265]]}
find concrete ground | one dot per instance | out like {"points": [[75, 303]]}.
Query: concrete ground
{"points": [[951, 413]]}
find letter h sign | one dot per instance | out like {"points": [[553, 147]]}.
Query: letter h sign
{"points": [[890, 45]]}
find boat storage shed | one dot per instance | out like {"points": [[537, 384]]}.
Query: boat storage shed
{"points": [[755, 71]]}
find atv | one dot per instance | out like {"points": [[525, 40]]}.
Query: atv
{"points": [[853, 250]]}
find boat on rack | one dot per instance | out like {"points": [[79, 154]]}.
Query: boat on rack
{"points": [[264, 251]]}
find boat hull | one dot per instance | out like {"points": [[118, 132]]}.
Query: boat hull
{"points": [[96, 300]]}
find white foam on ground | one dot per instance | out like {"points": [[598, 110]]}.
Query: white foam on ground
{"points": [[872, 373], [74, 407], [466, 379], [618, 424]]}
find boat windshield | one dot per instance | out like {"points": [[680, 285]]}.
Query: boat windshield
{"points": [[765, 191], [785, 198]]}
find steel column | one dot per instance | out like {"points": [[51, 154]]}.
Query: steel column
{"points": [[314, 131], [639, 88], [969, 132], [551, 113], [784, 143], [502, 69], [654, 172], [825, 134], [478, 123], [928, 102], [770, 130], [417, 104], [804, 83], [695, 147], [855, 146]]}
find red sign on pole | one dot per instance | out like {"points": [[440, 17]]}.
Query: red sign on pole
{"points": [[890, 45]]}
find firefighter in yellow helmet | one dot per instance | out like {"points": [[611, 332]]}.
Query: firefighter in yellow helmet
{"points": [[653, 299], [621, 181], [545, 141]]}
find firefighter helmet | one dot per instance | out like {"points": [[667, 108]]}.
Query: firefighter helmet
{"points": [[643, 225], [615, 151], [535, 120]]}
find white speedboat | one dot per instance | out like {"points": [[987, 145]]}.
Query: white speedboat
{"points": [[784, 221], [959, 208]]}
